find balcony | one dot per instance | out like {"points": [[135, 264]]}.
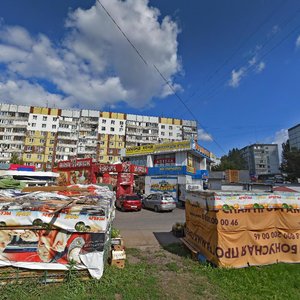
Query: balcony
{"points": [[91, 122], [86, 152], [60, 144]]}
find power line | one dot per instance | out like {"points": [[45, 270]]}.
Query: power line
{"points": [[240, 46], [213, 91], [159, 73]]}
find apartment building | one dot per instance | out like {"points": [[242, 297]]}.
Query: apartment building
{"points": [[111, 136], [261, 158], [43, 136], [13, 129], [67, 135], [294, 137], [141, 130]]}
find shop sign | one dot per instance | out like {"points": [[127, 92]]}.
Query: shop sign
{"points": [[157, 148], [167, 170], [174, 146], [145, 149], [164, 160], [201, 149], [75, 163]]}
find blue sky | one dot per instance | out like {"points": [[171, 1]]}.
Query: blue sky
{"points": [[69, 54]]}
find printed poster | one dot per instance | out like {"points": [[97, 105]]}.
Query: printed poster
{"points": [[164, 184]]}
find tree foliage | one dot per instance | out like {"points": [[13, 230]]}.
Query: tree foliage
{"points": [[290, 162], [15, 159], [232, 161]]}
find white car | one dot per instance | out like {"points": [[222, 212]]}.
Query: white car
{"points": [[159, 202]]}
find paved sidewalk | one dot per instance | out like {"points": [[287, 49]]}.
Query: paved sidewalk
{"points": [[147, 228]]}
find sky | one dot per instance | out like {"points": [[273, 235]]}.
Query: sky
{"points": [[234, 65]]}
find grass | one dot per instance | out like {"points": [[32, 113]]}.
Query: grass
{"points": [[168, 274]]}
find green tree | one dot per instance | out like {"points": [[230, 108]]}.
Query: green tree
{"points": [[15, 159], [290, 162], [233, 161]]}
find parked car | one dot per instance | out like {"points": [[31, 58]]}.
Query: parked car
{"points": [[129, 202], [159, 202]]}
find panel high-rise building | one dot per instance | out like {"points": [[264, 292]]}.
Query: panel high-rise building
{"points": [[43, 136], [294, 137], [261, 158]]}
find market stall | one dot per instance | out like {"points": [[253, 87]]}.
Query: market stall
{"points": [[51, 229], [244, 229]]}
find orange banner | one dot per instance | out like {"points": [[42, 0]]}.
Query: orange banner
{"points": [[242, 238]]}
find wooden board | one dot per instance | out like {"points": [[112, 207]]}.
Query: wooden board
{"points": [[194, 252], [19, 275]]}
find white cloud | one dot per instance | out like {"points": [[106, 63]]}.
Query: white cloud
{"points": [[204, 136], [298, 42], [23, 92], [279, 138], [260, 67], [236, 77], [94, 65], [275, 29]]}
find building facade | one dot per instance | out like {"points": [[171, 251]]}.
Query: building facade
{"points": [[294, 137], [43, 136], [261, 158], [173, 167]]}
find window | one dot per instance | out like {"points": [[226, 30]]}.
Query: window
{"points": [[42, 141], [103, 121], [34, 118], [53, 126], [112, 122], [31, 140], [163, 134], [112, 129], [44, 118], [28, 156], [121, 129], [170, 127], [51, 142], [121, 123], [50, 149], [43, 125], [111, 144], [52, 133], [162, 126], [103, 128], [73, 126], [33, 124], [110, 158], [101, 157], [55, 119], [39, 157], [170, 134]]}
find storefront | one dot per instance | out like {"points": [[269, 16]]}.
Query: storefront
{"points": [[173, 167]]}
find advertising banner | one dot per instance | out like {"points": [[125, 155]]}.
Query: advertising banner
{"points": [[157, 148], [244, 200], [164, 184], [75, 164], [239, 238], [80, 218], [52, 250]]}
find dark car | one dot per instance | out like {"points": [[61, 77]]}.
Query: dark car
{"points": [[130, 202]]}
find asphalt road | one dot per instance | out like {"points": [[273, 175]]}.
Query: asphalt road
{"points": [[147, 228]]}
